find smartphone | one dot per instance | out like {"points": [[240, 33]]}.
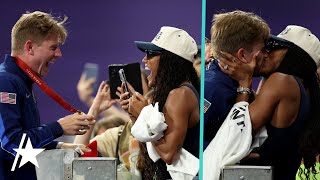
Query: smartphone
{"points": [[123, 79], [91, 70], [130, 73]]}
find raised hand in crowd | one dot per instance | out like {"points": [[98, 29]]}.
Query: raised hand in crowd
{"points": [[85, 89], [102, 101]]}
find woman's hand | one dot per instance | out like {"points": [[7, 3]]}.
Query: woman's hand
{"points": [[78, 147], [102, 101], [251, 156], [85, 89], [240, 71], [136, 104], [123, 97]]}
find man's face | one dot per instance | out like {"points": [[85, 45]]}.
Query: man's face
{"points": [[44, 54], [258, 46]]}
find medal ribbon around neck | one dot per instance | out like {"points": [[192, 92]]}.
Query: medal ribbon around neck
{"points": [[44, 86]]}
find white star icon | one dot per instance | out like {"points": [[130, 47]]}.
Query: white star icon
{"points": [[28, 154]]}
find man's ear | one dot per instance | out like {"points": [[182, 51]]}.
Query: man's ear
{"points": [[28, 47], [241, 55]]}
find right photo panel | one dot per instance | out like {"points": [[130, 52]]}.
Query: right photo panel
{"points": [[261, 91]]}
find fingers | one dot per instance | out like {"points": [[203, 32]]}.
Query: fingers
{"points": [[131, 89], [125, 104], [139, 96], [228, 57], [84, 124], [118, 94], [79, 132], [84, 117], [102, 86], [124, 96], [120, 90], [226, 68]]}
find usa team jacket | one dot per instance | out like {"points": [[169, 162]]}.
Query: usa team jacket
{"points": [[19, 114]]}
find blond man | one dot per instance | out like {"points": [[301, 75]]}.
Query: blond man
{"points": [[36, 40], [241, 34]]}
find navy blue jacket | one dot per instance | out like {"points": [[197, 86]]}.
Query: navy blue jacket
{"points": [[18, 118], [221, 91]]}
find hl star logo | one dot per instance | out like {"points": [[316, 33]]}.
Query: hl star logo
{"points": [[28, 153]]}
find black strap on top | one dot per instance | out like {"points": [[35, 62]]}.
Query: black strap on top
{"points": [[192, 88]]}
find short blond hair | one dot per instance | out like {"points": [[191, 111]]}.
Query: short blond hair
{"points": [[36, 26], [237, 29]]}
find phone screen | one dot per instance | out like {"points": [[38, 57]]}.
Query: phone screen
{"points": [[91, 70], [130, 73]]}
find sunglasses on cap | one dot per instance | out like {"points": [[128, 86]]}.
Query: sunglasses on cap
{"points": [[272, 45], [151, 53]]}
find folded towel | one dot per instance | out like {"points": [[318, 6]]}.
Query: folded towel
{"points": [[150, 124]]}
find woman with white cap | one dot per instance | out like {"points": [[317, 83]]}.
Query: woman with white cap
{"points": [[169, 57], [288, 102]]}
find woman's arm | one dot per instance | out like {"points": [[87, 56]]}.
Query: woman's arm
{"points": [[279, 97], [101, 102], [177, 110], [278, 101]]}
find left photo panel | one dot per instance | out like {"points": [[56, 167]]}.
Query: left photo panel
{"points": [[100, 90]]}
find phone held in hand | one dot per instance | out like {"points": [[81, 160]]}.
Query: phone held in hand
{"points": [[91, 70], [123, 79], [130, 73]]}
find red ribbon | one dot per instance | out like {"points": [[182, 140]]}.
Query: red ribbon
{"points": [[44, 86]]}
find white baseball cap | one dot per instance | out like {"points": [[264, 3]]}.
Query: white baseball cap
{"points": [[303, 38], [172, 39]]}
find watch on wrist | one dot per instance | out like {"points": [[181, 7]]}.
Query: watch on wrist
{"points": [[244, 90]]}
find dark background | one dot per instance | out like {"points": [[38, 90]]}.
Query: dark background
{"points": [[101, 32], [278, 14]]}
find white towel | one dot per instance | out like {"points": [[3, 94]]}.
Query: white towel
{"points": [[186, 167], [231, 143], [152, 152], [259, 138], [149, 127], [150, 124]]}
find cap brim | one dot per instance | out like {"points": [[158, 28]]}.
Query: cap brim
{"points": [[281, 40], [147, 46], [275, 42]]}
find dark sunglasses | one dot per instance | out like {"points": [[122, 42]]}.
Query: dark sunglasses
{"points": [[272, 45], [151, 53]]}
